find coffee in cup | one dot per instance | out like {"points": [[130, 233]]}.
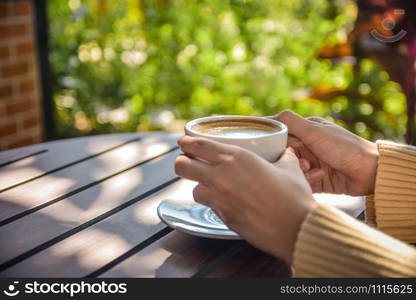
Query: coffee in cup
{"points": [[265, 137], [236, 128]]}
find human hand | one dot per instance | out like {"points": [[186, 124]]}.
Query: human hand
{"points": [[334, 160], [262, 202]]}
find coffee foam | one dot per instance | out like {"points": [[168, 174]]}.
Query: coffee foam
{"points": [[236, 128]]}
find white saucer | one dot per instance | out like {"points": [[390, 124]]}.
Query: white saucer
{"points": [[195, 219], [200, 220]]}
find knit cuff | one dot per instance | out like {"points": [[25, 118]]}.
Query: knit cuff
{"points": [[370, 213], [395, 191], [333, 244]]}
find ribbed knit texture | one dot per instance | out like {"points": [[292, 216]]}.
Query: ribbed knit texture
{"points": [[332, 244], [395, 191], [370, 212]]}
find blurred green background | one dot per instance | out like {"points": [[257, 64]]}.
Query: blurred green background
{"points": [[138, 65]]}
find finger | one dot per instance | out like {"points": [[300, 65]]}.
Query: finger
{"points": [[208, 150], [192, 169], [302, 152], [318, 120], [294, 122], [304, 165], [294, 142], [202, 194], [299, 126], [288, 156], [316, 186], [315, 174], [315, 177], [326, 181], [219, 214], [305, 153]]}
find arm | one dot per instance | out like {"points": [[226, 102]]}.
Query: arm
{"points": [[272, 207], [333, 244], [348, 247], [342, 163], [392, 209]]}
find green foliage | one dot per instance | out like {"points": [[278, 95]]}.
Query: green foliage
{"points": [[145, 65]]}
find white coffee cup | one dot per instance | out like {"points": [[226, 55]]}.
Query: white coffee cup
{"points": [[268, 144]]}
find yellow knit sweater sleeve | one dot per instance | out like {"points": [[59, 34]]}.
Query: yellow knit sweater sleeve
{"points": [[395, 191], [333, 244]]}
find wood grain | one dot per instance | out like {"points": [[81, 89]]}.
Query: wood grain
{"points": [[35, 229], [71, 180], [17, 158], [59, 153], [15, 154], [175, 255], [95, 246], [99, 216], [252, 263]]}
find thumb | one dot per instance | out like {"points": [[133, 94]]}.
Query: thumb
{"points": [[298, 126], [289, 156]]}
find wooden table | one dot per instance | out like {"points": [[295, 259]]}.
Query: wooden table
{"points": [[86, 207]]}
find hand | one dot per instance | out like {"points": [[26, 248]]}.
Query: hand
{"points": [[262, 202], [334, 160]]}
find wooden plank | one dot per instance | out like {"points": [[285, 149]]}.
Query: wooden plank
{"points": [[23, 156], [88, 250], [175, 255], [37, 194], [46, 224], [252, 263], [7, 156], [58, 154]]}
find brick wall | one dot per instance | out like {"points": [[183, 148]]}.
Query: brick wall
{"points": [[20, 109]]}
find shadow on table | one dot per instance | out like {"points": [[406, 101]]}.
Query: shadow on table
{"points": [[14, 238], [206, 257], [65, 253]]}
